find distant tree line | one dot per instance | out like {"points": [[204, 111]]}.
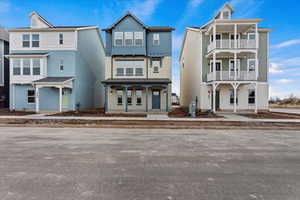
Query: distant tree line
{"points": [[291, 100]]}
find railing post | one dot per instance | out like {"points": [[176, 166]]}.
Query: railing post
{"points": [[215, 36], [235, 65], [214, 65], [235, 36]]}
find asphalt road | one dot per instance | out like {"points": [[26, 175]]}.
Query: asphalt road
{"points": [[120, 164]]}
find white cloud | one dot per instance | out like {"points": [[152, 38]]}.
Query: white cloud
{"points": [[4, 6], [274, 68], [246, 8], [287, 43], [284, 80], [195, 3], [143, 9]]}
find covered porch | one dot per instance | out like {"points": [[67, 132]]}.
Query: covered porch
{"points": [[137, 95], [64, 86]]}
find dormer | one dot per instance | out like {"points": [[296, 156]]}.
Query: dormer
{"points": [[37, 21], [225, 12]]}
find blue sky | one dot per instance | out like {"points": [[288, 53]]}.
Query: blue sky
{"points": [[281, 17]]}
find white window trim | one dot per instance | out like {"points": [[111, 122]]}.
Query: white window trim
{"points": [[217, 61], [22, 66], [251, 104], [157, 39], [35, 40], [60, 39], [142, 33], [114, 37], [26, 40], [132, 38], [248, 64], [31, 96], [61, 63]]}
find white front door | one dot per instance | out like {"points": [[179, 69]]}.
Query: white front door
{"points": [[65, 99]]}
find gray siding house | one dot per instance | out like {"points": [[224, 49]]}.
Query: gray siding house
{"points": [[138, 66], [4, 68], [224, 64]]}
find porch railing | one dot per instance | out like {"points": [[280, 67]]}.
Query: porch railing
{"points": [[230, 44], [229, 76]]}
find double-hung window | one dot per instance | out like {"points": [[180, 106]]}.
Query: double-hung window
{"points": [[138, 71], [129, 71], [120, 71], [119, 97], [138, 94], [118, 38], [251, 36], [155, 39], [251, 65], [30, 96], [61, 65], [156, 64], [16, 66], [26, 66], [35, 40], [232, 96], [36, 66], [251, 97], [129, 97], [26, 40], [138, 38], [61, 38], [128, 38]]}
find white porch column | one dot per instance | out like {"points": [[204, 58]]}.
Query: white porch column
{"points": [[214, 65], [235, 66], [215, 36], [256, 36], [234, 91], [14, 95], [147, 98], [235, 36], [256, 97], [214, 98], [60, 99], [256, 65], [37, 99]]}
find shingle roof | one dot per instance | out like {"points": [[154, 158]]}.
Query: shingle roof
{"points": [[53, 80], [25, 54], [160, 28], [56, 27]]}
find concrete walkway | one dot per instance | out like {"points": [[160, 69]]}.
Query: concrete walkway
{"points": [[234, 117], [286, 110], [231, 119]]}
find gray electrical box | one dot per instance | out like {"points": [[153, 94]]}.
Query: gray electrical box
{"points": [[192, 109]]}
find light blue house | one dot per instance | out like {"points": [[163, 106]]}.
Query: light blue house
{"points": [[138, 66], [56, 68]]}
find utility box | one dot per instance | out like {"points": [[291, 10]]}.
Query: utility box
{"points": [[192, 109]]}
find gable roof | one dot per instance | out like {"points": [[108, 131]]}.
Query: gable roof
{"points": [[149, 28], [226, 5], [123, 17], [41, 18], [4, 34]]}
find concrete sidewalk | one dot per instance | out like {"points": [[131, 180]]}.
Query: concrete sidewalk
{"points": [[229, 119]]}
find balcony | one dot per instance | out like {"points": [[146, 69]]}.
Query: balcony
{"points": [[229, 45], [229, 76]]}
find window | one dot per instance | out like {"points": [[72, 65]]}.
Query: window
{"points": [[36, 66], [226, 15], [218, 37], [251, 36], [129, 71], [61, 65], [138, 71], [138, 94], [118, 38], [26, 40], [251, 97], [156, 66], [156, 39], [35, 40], [61, 38], [30, 96], [129, 97], [218, 65], [251, 65], [232, 37], [138, 38], [128, 38], [26, 66], [120, 71], [16, 66], [232, 96], [120, 97]]}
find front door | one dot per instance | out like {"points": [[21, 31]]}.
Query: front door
{"points": [[65, 99], [218, 100], [155, 99]]}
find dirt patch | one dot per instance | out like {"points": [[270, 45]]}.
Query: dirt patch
{"points": [[284, 106], [272, 115], [96, 113], [7, 112], [182, 112]]}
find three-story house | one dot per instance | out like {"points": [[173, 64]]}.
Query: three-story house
{"points": [[4, 68], [224, 64], [55, 68], [138, 66]]}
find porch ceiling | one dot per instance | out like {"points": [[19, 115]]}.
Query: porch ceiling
{"points": [[137, 81]]}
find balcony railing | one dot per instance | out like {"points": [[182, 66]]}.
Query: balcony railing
{"points": [[230, 44], [229, 76]]}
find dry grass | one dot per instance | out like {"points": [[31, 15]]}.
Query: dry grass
{"points": [[272, 115], [182, 112], [7, 112], [96, 113], [284, 106]]}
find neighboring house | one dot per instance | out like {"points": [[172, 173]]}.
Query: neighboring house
{"points": [[4, 69], [175, 99], [224, 64], [56, 68], [138, 66]]}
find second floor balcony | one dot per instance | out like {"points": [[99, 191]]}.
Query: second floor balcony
{"points": [[231, 76], [231, 44]]}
